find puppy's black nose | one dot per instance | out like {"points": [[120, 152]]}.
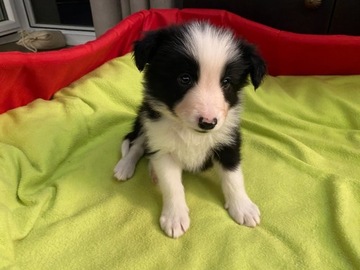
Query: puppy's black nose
{"points": [[207, 124]]}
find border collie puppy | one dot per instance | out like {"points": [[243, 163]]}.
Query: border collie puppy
{"points": [[189, 117]]}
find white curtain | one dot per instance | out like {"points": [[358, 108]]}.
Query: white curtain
{"points": [[107, 13]]}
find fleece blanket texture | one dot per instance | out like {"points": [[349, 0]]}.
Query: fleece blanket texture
{"points": [[61, 208]]}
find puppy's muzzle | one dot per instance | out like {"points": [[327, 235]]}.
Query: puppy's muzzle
{"points": [[207, 124]]}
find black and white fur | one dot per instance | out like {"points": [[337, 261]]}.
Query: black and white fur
{"points": [[189, 117]]}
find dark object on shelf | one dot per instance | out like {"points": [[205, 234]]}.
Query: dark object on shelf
{"points": [[300, 16]]}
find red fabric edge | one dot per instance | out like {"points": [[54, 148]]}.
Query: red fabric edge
{"points": [[27, 76]]}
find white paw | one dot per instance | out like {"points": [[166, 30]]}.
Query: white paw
{"points": [[175, 221], [124, 169], [244, 212]]}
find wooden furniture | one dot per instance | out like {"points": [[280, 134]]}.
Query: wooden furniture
{"points": [[301, 16]]}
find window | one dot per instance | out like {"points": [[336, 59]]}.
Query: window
{"points": [[8, 19], [72, 17], [3, 15], [60, 14]]}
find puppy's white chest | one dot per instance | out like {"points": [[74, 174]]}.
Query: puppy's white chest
{"points": [[189, 148]]}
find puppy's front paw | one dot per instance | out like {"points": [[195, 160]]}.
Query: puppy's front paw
{"points": [[175, 221], [244, 212], [124, 169]]}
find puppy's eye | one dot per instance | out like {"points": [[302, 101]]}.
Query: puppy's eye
{"points": [[226, 82], [185, 79]]}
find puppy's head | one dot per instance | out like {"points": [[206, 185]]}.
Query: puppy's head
{"points": [[196, 71]]}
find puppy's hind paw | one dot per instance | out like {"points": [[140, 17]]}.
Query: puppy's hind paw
{"points": [[124, 170]]}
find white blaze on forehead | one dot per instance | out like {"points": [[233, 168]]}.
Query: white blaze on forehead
{"points": [[212, 47]]}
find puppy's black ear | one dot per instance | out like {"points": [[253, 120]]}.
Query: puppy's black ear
{"points": [[256, 65], [145, 48]]}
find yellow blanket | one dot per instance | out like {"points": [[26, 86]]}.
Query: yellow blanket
{"points": [[60, 207]]}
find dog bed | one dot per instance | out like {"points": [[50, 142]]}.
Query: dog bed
{"points": [[65, 113]]}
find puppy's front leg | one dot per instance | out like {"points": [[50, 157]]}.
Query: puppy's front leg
{"points": [[174, 218], [237, 202]]}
